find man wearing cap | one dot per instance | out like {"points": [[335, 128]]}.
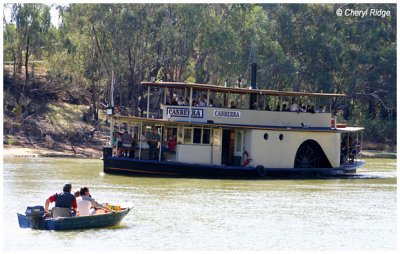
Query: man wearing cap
{"points": [[64, 199]]}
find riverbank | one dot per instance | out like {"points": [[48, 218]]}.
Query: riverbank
{"points": [[90, 152], [78, 152]]}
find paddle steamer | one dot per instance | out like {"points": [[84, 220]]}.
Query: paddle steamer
{"points": [[232, 133]]}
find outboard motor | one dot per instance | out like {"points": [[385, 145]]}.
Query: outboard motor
{"points": [[35, 215]]}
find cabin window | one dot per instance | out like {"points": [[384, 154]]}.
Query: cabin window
{"points": [[170, 132], [188, 135], [238, 142], [266, 136], [197, 135], [180, 135], [206, 136], [280, 136]]}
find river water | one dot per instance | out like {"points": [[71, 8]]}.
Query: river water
{"points": [[200, 214]]}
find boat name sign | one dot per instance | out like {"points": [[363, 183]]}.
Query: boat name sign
{"points": [[226, 113], [184, 112]]}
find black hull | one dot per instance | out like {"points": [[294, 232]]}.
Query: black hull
{"points": [[151, 168]]}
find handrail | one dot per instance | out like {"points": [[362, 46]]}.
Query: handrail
{"points": [[223, 89]]}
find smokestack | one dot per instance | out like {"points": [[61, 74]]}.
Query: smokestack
{"points": [[253, 97]]}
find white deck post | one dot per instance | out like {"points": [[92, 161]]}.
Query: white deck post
{"points": [[161, 139], [165, 95], [190, 104], [140, 140], [208, 97], [112, 131], [264, 101], [148, 101]]}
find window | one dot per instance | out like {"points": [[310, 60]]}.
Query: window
{"points": [[187, 135], [238, 142], [169, 132], [180, 135], [206, 136], [266, 136], [280, 136], [197, 135]]}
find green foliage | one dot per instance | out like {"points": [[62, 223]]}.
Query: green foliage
{"points": [[300, 47]]}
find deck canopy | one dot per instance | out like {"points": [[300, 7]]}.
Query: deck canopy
{"points": [[222, 89]]}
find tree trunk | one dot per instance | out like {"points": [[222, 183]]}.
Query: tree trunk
{"points": [[20, 59], [94, 106], [26, 61]]}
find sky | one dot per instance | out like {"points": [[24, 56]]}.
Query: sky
{"points": [[55, 19]]}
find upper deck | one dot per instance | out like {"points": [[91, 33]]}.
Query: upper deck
{"points": [[244, 115], [215, 115]]}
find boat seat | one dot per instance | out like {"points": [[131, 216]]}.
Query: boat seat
{"points": [[60, 212], [84, 207]]}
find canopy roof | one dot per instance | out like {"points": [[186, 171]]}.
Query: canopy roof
{"points": [[223, 89]]}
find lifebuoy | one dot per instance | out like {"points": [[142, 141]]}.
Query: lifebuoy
{"points": [[261, 170], [246, 158]]}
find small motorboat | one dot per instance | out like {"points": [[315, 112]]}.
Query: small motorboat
{"points": [[35, 218]]}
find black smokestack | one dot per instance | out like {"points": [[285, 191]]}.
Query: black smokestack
{"points": [[253, 97]]}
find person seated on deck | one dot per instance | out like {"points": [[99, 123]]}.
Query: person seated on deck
{"points": [[284, 108], [202, 101], [293, 106], [93, 204], [310, 109], [153, 139], [126, 143], [64, 200], [211, 103], [321, 109], [180, 101], [233, 104], [255, 106]]}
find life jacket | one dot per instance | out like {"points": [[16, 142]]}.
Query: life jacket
{"points": [[64, 199]]}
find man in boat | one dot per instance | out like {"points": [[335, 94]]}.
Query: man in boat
{"points": [[64, 199]]}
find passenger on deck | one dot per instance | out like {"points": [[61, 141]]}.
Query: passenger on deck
{"points": [[310, 109], [174, 101], [64, 199], [211, 103], [180, 101], [172, 143], [126, 143], [255, 106], [293, 106], [284, 108], [153, 139], [233, 104], [202, 101], [321, 109], [118, 136]]}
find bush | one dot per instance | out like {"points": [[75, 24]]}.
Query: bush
{"points": [[379, 131]]}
